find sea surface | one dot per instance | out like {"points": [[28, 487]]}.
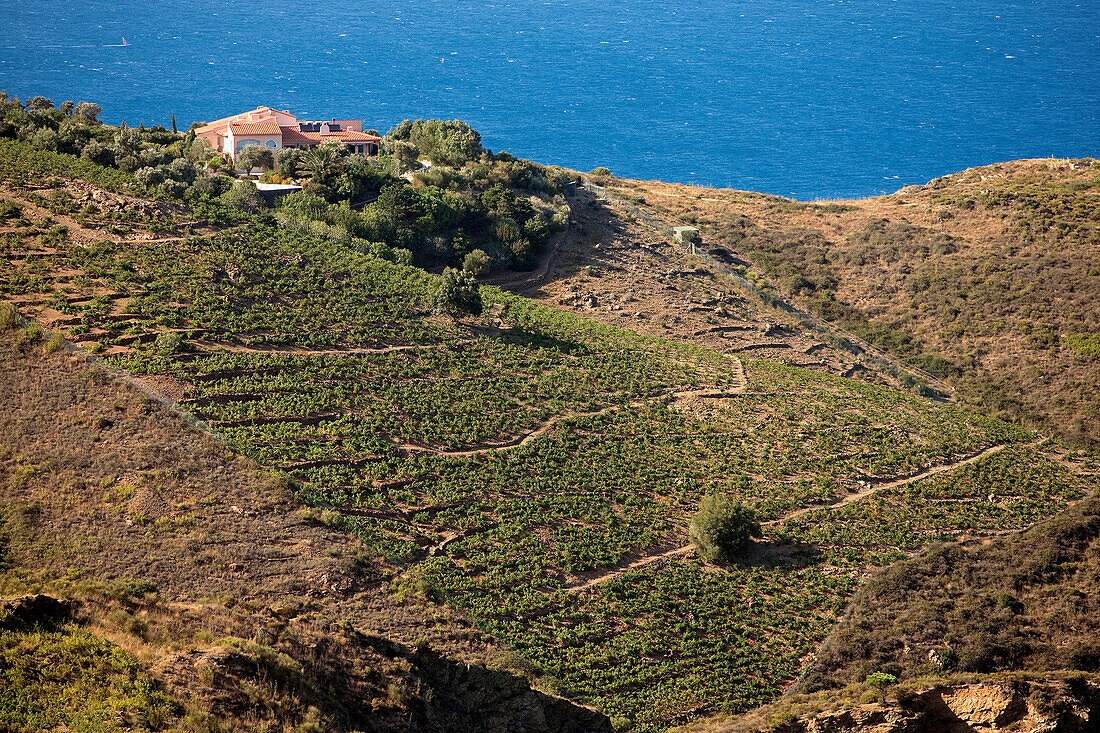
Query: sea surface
{"points": [[802, 98]]}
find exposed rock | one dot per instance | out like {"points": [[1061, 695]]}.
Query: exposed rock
{"points": [[994, 706], [1054, 706], [32, 609]]}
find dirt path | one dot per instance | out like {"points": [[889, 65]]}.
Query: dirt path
{"points": [[783, 304], [639, 563], [524, 281], [871, 488], [592, 581], [550, 422]]}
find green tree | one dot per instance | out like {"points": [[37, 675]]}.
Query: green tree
{"points": [[201, 150], [404, 153], [88, 111], [40, 103], [442, 142], [476, 263], [457, 293], [127, 141], [254, 156], [288, 161], [99, 153], [880, 681], [722, 529], [244, 196], [323, 162]]}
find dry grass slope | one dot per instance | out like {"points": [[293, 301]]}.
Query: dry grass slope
{"points": [[987, 278]]}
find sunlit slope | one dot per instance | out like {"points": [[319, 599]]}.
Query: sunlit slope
{"points": [[532, 468], [986, 278]]}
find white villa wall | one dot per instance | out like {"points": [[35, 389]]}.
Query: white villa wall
{"points": [[235, 144]]}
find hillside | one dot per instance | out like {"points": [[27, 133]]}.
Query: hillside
{"points": [[985, 278], [528, 471], [203, 595], [1000, 630]]}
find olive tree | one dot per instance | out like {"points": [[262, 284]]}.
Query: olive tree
{"points": [[457, 293], [88, 111], [288, 161], [254, 156], [201, 150], [723, 529], [244, 197]]}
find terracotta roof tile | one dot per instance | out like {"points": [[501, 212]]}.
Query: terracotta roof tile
{"points": [[291, 136], [265, 127], [352, 136]]}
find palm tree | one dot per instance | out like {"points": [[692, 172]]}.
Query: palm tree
{"points": [[322, 162]]}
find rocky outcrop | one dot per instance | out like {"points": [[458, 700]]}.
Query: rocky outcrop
{"points": [[29, 610], [1024, 707], [1056, 706], [866, 719]]}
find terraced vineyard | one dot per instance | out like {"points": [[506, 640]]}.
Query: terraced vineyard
{"points": [[504, 463]]}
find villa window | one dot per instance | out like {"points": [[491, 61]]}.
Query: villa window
{"points": [[271, 144]]}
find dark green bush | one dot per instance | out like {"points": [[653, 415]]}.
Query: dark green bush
{"points": [[457, 293], [722, 529]]}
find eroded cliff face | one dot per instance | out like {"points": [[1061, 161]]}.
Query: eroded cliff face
{"points": [[1026, 707]]}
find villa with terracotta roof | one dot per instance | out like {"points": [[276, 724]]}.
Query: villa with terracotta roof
{"points": [[276, 129]]}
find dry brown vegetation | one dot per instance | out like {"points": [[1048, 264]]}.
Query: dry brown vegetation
{"points": [[987, 278], [1028, 601], [612, 268]]}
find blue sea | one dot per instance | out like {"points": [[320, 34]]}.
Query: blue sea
{"points": [[802, 98]]}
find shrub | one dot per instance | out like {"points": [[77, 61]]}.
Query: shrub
{"points": [[600, 172], [1084, 344], [211, 185], [457, 293], [148, 176], [56, 342], [30, 337], [172, 189], [98, 153], [9, 316], [9, 210], [244, 196], [126, 163], [181, 169], [476, 263], [127, 141], [45, 138], [722, 528], [168, 342]]}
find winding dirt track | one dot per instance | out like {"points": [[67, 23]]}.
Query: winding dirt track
{"points": [[894, 483], [590, 582]]}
